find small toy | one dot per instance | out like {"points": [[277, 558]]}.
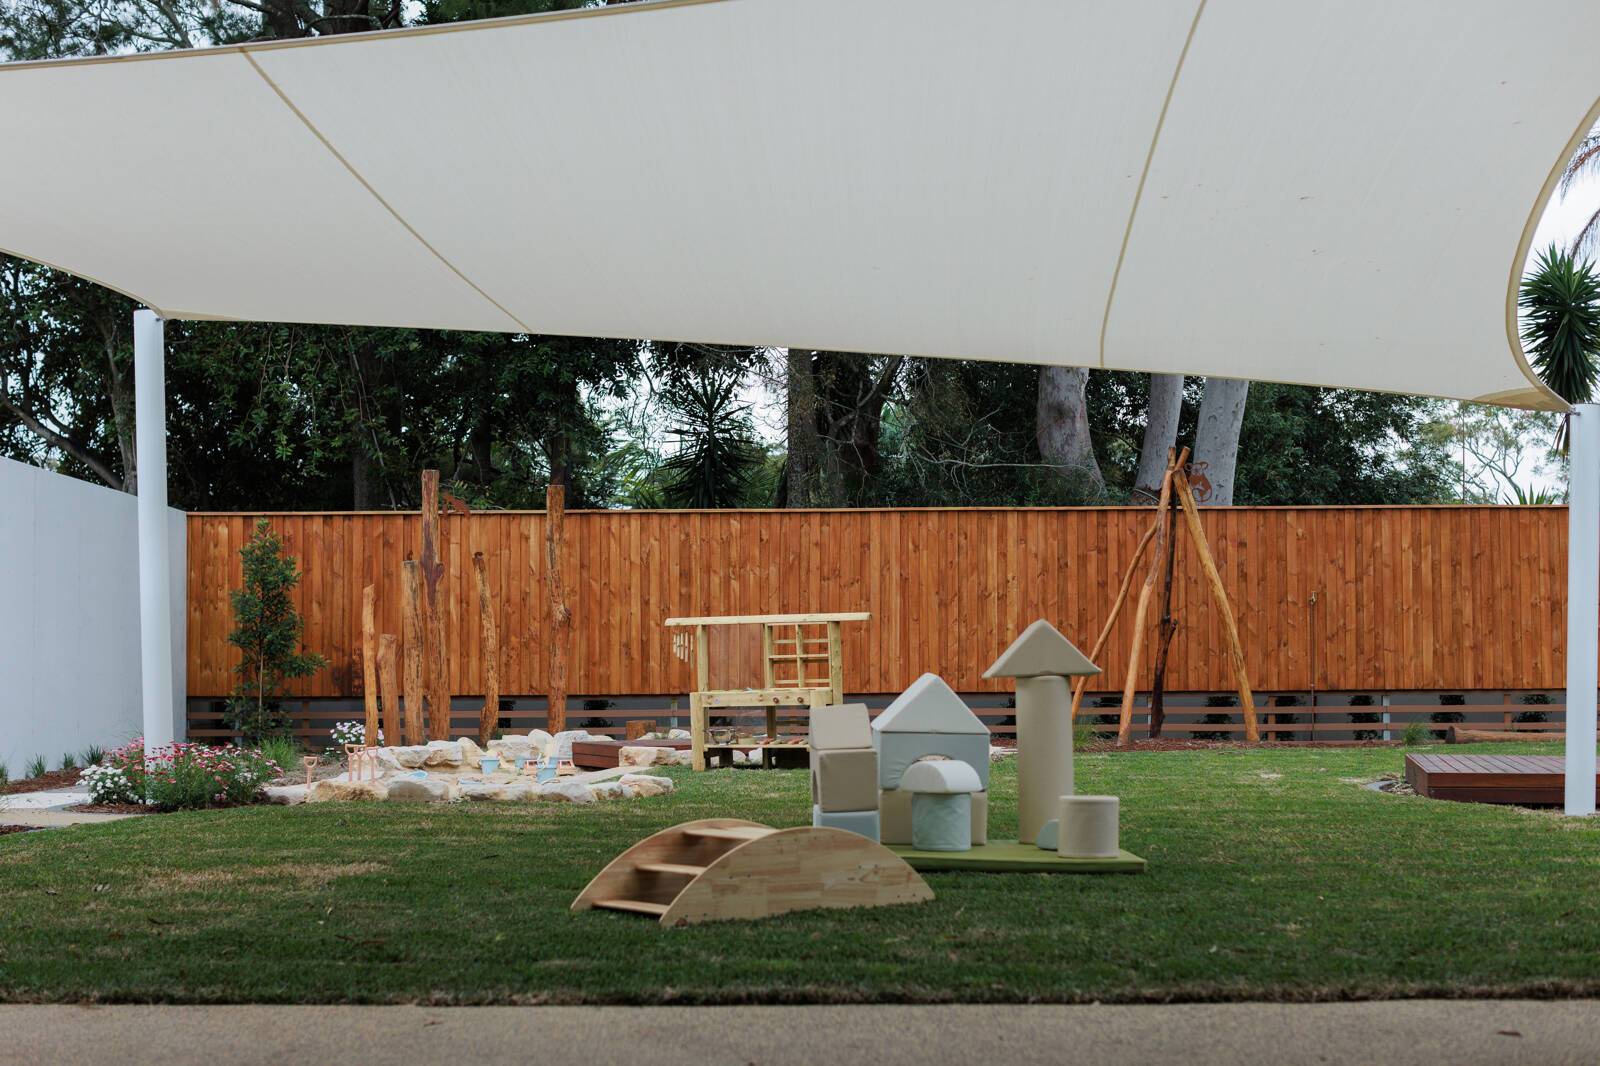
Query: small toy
{"points": [[361, 761], [844, 770], [310, 763]]}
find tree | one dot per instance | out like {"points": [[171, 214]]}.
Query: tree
{"points": [[266, 631], [837, 402], [1560, 310], [1061, 423], [717, 457], [1216, 438], [1163, 413]]}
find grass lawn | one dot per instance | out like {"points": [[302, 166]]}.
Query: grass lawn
{"points": [[1273, 874]]}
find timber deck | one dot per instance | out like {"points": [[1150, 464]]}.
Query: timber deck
{"points": [[1521, 779]]}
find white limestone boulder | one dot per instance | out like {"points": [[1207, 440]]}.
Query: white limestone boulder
{"points": [[422, 790], [679, 734], [407, 757], [560, 745], [511, 748], [647, 784], [567, 792], [610, 790], [333, 788], [443, 755], [288, 795], [646, 755], [497, 791], [470, 753]]}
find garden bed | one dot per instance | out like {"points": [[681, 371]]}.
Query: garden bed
{"points": [[52, 781]]}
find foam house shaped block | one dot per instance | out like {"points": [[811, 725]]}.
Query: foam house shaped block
{"points": [[941, 804], [928, 720], [844, 770], [1041, 660]]}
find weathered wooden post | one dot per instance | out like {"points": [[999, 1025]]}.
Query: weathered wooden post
{"points": [[388, 684], [489, 717], [433, 614], [555, 506], [369, 659], [411, 623]]}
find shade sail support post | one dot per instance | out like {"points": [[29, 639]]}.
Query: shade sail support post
{"points": [[1583, 606], [155, 585]]}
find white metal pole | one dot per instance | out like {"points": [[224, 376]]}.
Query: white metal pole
{"points": [[1583, 605], [155, 588]]}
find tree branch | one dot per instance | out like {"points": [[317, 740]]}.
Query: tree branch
{"points": [[66, 444]]}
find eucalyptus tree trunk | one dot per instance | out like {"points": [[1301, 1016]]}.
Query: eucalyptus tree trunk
{"points": [[801, 467], [1160, 435], [1061, 427], [1216, 440]]}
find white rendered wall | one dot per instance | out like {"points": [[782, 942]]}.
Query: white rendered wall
{"points": [[69, 616]]}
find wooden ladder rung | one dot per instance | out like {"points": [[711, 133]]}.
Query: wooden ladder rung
{"points": [[808, 657], [737, 832], [683, 868], [638, 906]]}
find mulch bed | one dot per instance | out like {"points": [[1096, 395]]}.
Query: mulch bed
{"points": [[55, 780], [8, 829], [112, 808]]}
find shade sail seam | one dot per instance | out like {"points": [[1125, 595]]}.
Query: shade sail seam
{"points": [[376, 195], [1144, 175]]}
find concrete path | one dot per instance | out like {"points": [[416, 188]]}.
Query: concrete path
{"points": [[42, 801], [59, 819], [1457, 1032]]}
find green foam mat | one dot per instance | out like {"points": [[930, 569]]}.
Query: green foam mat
{"points": [[1010, 856]]}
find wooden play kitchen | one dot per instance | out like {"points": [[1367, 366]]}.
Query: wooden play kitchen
{"points": [[802, 657]]}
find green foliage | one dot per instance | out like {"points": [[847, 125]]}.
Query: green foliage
{"points": [[194, 777], [717, 458], [282, 751], [69, 761], [37, 767], [92, 755], [5, 775], [1560, 310], [1084, 733], [267, 633], [1416, 733]]}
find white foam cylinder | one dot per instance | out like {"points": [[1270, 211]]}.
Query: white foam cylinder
{"points": [[1044, 752], [1583, 605], [155, 589], [1089, 827]]}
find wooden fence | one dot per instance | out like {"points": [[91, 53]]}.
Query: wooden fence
{"points": [[1378, 599]]}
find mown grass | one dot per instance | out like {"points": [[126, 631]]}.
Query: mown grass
{"points": [[1273, 874]]}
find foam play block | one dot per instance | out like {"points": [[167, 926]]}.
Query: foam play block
{"points": [[894, 816], [845, 780], [844, 726], [941, 821], [897, 751], [863, 823]]}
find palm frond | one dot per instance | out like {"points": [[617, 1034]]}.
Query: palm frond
{"points": [[1584, 162], [1560, 305]]}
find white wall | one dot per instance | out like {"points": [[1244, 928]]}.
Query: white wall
{"points": [[69, 616]]}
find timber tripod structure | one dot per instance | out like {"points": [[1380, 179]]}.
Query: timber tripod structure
{"points": [[717, 869], [1177, 495]]}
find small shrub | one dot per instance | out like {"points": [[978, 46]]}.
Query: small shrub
{"points": [[37, 767], [267, 633], [69, 761], [193, 776], [347, 733], [93, 754], [1083, 733], [1416, 733], [283, 752], [5, 775], [1534, 699], [111, 781]]}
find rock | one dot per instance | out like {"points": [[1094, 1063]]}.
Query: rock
{"points": [[996, 753], [611, 790], [684, 758], [646, 756], [512, 748], [567, 792], [497, 791], [679, 734], [409, 757], [289, 795], [1049, 834], [470, 753], [540, 741], [560, 745], [743, 758], [333, 788], [647, 784], [443, 754], [422, 789]]}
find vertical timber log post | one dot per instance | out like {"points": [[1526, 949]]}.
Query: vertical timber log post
{"points": [[489, 717], [555, 540], [1167, 626], [1140, 614], [411, 623], [1080, 683], [369, 659], [1230, 628], [433, 614], [389, 687]]}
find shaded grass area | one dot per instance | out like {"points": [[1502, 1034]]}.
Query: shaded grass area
{"points": [[1273, 874]]}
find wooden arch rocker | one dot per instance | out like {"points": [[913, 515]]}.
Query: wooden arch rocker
{"points": [[718, 869]]}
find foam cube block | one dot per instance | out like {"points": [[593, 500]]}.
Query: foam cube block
{"points": [[864, 823], [845, 780], [845, 726], [894, 816], [897, 751]]}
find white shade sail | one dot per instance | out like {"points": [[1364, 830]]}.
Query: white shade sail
{"points": [[1332, 192]]}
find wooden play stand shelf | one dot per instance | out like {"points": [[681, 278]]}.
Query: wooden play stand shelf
{"points": [[717, 869], [802, 657]]}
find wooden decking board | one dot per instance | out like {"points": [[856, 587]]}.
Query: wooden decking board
{"points": [[1528, 779]]}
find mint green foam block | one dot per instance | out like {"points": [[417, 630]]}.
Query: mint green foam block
{"points": [[1009, 856]]}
